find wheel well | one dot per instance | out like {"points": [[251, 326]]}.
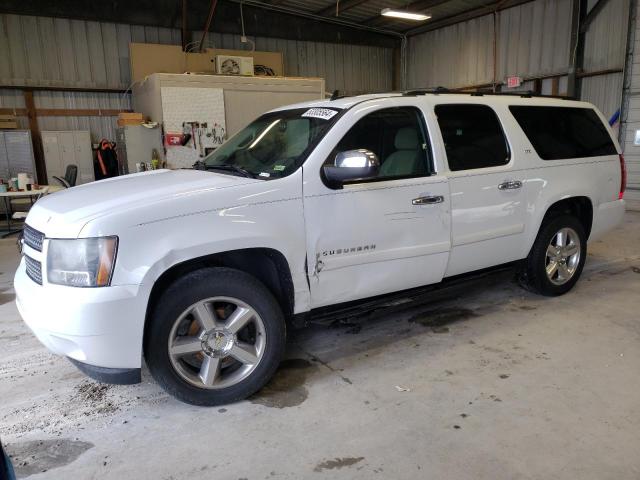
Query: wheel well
{"points": [[267, 265], [579, 207]]}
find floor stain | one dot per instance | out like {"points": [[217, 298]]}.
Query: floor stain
{"points": [[286, 388], [337, 463], [7, 298], [527, 307], [351, 327], [40, 456], [438, 320], [95, 394]]}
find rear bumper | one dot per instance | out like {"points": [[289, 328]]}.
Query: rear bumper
{"points": [[606, 217], [99, 327], [116, 376]]}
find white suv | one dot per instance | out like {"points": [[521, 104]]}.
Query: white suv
{"points": [[311, 206]]}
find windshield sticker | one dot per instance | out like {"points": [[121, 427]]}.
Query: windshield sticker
{"points": [[264, 174], [278, 168], [322, 113]]}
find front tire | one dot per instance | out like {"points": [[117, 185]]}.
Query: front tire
{"points": [[216, 336], [557, 257]]}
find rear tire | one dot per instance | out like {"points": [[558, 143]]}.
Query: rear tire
{"points": [[216, 336], [557, 257]]}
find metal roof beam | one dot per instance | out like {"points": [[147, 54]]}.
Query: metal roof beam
{"points": [[593, 14], [261, 19], [466, 16], [346, 5]]}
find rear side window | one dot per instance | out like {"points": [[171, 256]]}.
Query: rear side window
{"points": [[473, 136], [564, 132]]}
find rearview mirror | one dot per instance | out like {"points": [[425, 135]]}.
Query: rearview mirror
{"points": [[352, 165]]}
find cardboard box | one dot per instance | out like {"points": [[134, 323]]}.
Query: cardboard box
{"points": [[130, 118], [123, 122]]}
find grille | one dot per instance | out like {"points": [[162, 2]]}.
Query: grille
{"points": [[33, 238], [34, 269]]}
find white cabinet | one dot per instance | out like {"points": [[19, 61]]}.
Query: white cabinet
{"points": [[63, 148]]}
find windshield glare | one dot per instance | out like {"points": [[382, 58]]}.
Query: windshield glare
{"points": [[273, 146]]}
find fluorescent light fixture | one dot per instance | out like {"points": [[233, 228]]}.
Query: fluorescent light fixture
{"points": [[418, 17]]}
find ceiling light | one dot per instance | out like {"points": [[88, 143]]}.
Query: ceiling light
{"points": [[418, 17]]}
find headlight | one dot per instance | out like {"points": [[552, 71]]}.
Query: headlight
{"points": [[82, 262]]}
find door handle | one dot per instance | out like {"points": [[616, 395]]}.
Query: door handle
{"points": [[428, 200], [512, 185]]}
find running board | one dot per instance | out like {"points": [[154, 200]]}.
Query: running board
{"points": [[402, 299]]}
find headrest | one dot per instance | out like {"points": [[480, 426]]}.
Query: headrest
{"points": [[407, 139]]}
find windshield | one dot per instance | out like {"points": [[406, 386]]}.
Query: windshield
{"points": [[274, 145]]}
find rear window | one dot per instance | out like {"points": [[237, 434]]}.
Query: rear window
{"points": [[564, 132]]}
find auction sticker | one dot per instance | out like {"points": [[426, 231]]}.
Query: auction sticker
{"points": [[323, 113]]}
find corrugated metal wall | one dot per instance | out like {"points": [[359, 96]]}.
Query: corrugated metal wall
{"points": [[632, 124], [605, 47], [533, 40], [40, 51]]}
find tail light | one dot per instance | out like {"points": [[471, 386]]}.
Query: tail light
{"points": [[623, 177]]}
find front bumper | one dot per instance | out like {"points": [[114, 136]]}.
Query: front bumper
{"points": [[99, 327], [117, 376]]}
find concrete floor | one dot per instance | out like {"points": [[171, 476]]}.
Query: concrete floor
{"points": [[495, 383]]}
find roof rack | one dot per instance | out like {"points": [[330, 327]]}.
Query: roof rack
{"points": [[443, 90]]}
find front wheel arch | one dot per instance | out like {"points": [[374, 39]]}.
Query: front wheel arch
{"points": [[267, 265]]}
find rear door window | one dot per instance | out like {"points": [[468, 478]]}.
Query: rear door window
{"points": [[564, 132], [473, 136]]}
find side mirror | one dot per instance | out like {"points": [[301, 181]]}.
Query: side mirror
{"points": [[352, 165]]}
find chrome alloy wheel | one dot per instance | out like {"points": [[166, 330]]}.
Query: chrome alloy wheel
{"points": [[217, 342], [563, 256]]}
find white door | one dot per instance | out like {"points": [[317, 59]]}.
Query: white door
{"points": [[52, 157], [380, 235], [487, 192], [83, 157], [67, 151]]}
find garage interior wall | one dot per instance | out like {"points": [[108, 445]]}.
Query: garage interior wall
{"points": [[55, 52], [532, 41], [631, 123]]}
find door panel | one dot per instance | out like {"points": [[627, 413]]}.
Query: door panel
{"points": [[52, 155], [83, 156], [487, 223], [370, 239], [487, 194]]}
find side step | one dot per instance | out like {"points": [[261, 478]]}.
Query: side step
{"points": [[398, 300]]}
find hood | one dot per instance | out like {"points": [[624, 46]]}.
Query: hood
{"points": [[54, 214]]}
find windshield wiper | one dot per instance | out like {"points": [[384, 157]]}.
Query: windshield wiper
{"points": [[231, 168]]}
